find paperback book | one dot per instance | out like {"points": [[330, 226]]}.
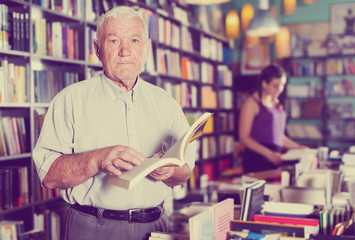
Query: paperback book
{"points": [[175, 156]]}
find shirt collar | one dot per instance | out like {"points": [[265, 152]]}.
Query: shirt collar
{"points": [[116, 92]]}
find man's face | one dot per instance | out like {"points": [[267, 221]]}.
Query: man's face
{"points": [[123, 48]]}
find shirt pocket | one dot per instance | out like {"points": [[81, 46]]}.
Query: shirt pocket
{"points": [[94, 141]]}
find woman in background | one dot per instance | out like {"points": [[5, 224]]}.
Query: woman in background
{"points": [[263, 122]]}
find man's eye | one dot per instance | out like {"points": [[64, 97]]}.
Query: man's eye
{"points": [[113, 41], [135, 40]]}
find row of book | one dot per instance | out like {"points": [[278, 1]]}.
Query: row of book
{"points": [[341, 109], [169, 32], [224, 75], [14, 182], [13, 84], [342, 88], [74, 8], [168, 62], [341, 129], [340, 66], [307, 68], [38, 117], [168, 8], [172, 64], [225, 144], [185, 94], [331, 217], [208, 72], [288, 219], [94, 8], [332, 66], [47, 226], [180, 36], [190, 69], [208, 97], [211, 48], [151, 19], [225, 121], [305, 108], [13, 137], [304, 90], [304, 131], [47, 83], [11, 230], [56, 39], [91, 33], [316, 107], [225, 99], [15, 29], [50, 223], [208, 147]]}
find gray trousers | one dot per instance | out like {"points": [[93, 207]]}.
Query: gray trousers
{"points": [[82, 226]]}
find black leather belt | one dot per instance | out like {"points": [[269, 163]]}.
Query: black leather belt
{"points": [[141, 215]]}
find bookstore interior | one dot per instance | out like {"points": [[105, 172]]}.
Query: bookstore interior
{"points": [[208, 55]]}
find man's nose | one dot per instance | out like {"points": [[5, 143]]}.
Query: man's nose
{"points": [[125, 48]]}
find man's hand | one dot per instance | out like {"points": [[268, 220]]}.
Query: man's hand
{"points": [[162, 173], [114, 159]]}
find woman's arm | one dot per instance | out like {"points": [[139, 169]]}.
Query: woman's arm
{"points": [[289, 144], [248, 112]]}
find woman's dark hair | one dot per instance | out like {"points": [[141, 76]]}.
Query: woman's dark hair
{"points": [[268, 73]]}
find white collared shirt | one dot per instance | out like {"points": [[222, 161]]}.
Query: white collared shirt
{"points": [[96, 113]]}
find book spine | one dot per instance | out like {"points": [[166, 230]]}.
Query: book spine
{"points": [[264, 228], [27, 33]]}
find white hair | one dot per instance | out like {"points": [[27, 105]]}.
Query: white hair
{"points": [[119, 12]]}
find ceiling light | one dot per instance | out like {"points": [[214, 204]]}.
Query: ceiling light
{"points": [[263, 24], [232, 24], [247, 15]]}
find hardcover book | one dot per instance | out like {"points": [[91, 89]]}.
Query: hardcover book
{"points": [[268, 228], [253, 199], [175, 156]]}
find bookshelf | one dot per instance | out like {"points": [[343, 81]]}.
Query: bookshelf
{"points": [[35, 65], [319, 100]]}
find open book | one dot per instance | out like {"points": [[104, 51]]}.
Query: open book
{"points": [[174, 156], [297, 154]]}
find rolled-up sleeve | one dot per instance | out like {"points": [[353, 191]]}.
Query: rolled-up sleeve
{"points": [[56, 136]]}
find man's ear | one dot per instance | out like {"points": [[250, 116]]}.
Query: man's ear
{"points": [[97, 49]]}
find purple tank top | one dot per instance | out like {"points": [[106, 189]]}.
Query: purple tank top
{"points": [[269, 125]]}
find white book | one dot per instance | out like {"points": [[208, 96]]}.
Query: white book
{"points": [[57, 39], [175, 156]]}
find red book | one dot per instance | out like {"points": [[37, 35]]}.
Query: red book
{"points": [[349, 85], [286, 220]]}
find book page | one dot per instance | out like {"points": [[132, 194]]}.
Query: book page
{"points": [[129, 178], [223, 214]]}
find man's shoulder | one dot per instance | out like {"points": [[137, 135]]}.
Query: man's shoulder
{"points": [[84, 84], [155, 89], [78, 88]]}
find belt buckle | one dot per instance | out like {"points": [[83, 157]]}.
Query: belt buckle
{"points": [[130, 215]]}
